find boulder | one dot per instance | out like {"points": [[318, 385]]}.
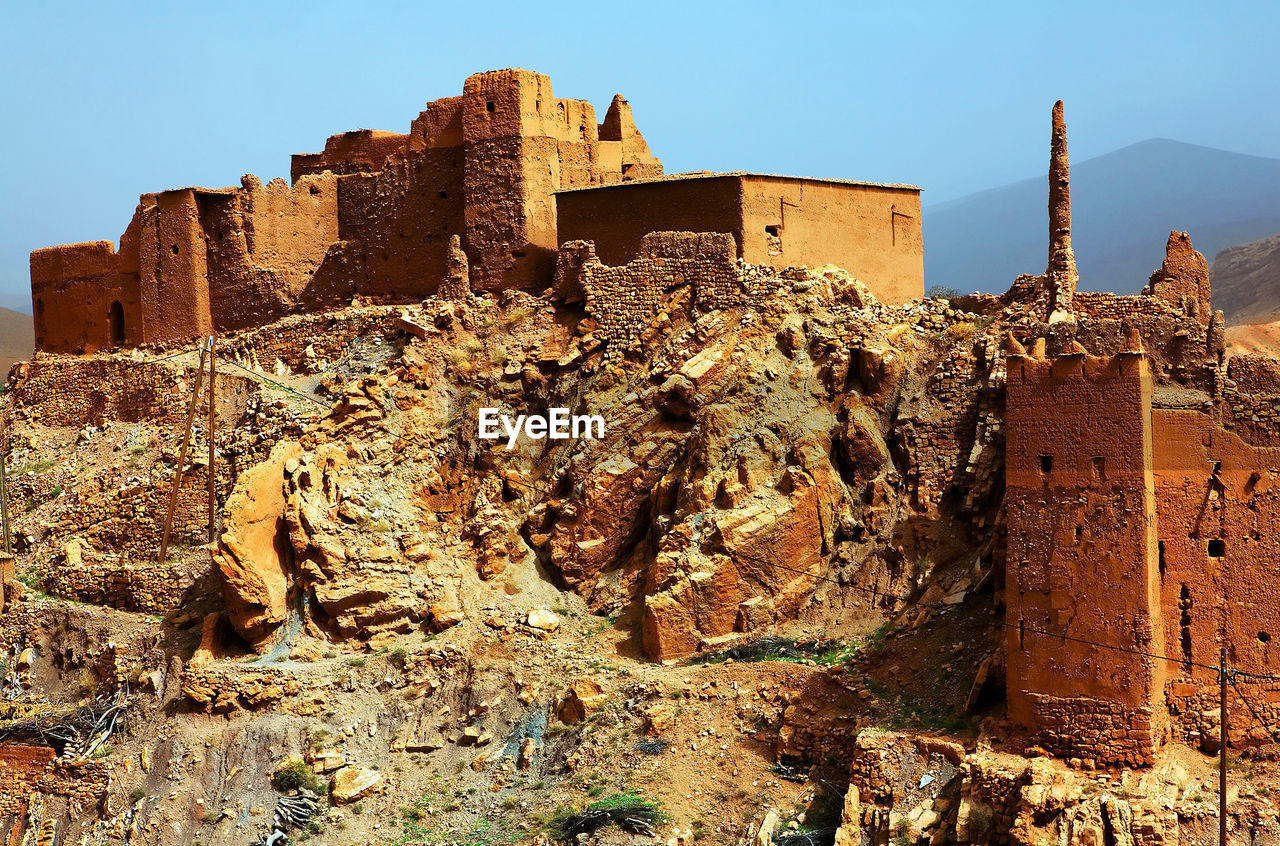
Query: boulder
{"points": [[253, 552], [351, 783]]}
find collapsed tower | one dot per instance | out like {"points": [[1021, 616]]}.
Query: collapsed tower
{"points": [[1060, 276]]}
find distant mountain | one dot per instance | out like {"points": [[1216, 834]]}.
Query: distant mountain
{"points": [[1123, 206], [17, 339], [1246, 281], [20, 302]]}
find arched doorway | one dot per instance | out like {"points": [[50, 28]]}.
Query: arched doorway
{"points": [[115, 317]]}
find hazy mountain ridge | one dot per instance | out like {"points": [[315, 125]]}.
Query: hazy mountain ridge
{"points": [[1124, 205], [17, 338], [1246, 281]]}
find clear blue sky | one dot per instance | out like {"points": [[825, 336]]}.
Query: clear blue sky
{"points": [[104, 101]]}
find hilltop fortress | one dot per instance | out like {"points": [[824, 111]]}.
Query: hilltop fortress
{"points": [[1098, 473], [487, 184]]}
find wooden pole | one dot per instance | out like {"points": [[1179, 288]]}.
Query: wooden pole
{"points": [[213, 372], [4, 494], [1222, 752], [182, 458]]}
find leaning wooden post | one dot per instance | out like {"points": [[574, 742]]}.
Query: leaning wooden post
{"points": [[213, 372], [182, 458]]}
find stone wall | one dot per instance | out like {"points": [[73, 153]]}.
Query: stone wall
{"points": [[623, 299], [1095, 731]]}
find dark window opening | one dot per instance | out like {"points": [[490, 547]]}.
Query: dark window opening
{"points": [[1160, 552], [490, 106], [1217, 548], [1022, 633], [1264, 637], [517, 253], [1046, 463], [771, 230], [1100, 468], [175, 249], [39, 308], [444, 195], [1079, 533], [115, 317], [1217, 467]]}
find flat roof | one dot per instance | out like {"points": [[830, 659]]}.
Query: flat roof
{"points": [[676, 177]]}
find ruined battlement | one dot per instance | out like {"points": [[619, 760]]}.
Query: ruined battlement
{"points": [[373, 216]]}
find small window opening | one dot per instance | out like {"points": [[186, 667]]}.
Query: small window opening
{"points": [[175, 249], [444, 195], [115, 317], [772, 230], [490, 106], [1079, 533], [1100, 468], [1046, 463], [1217, 548], [1263, 637], [517, 253], [1160, 552], [1022, 634]]}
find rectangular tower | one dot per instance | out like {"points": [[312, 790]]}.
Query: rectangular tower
{"points": [[1082, 584]]}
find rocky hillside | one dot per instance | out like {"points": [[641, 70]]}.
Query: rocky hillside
{"points": [[1246, 281], [763, 607]]}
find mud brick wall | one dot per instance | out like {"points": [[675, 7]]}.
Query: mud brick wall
{"points": [[308, 342], [22, 768], [938, 436], [70, 391], [147, 588], [1194, 705], [1094, 729], [623, 299], [990, 797], [1251, 399]]}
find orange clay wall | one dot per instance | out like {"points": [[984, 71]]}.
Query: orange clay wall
{"points": [[482, 165], [871, 231], [1081, 557], [1219, 518], [76, 287], [617, 219]]}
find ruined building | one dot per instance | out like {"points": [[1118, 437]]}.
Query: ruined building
{"points": [[373, 215], [1141, 512]]}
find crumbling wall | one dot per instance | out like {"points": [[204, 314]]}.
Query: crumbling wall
{"points": [[264, 243], [1183, 278], [623, 299], [1081, 558], [357, 151], [86, 297]]}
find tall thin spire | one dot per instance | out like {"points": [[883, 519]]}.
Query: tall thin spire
{"points": [[1061, 276]]}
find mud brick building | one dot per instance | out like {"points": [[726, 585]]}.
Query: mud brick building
{"points": [[1141, 512], [870, 230], [372, 216]]}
